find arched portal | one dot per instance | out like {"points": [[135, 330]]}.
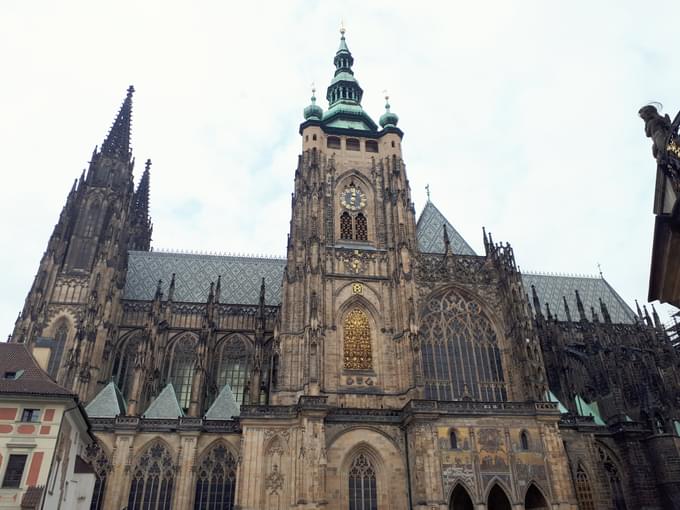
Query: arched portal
{"points": [[498, 500], [460, 499], [534, 500]]}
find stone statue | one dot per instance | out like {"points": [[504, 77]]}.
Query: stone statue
{"points": [[660, 129]]}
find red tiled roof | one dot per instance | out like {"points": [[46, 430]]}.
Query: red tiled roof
{"points": [[33, 381]]}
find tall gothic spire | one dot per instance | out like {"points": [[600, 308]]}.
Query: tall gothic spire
{"points": [[142, 193], [117, 142]]}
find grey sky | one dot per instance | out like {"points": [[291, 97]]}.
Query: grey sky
{"points": [[522, 116]]}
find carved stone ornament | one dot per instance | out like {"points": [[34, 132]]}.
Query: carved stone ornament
{"points": [[274, 481]]}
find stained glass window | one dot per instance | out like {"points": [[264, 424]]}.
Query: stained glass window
{"points": [[182, 369], [101, 465], [363, 494], [232, 367], [460, 354], [584, 493], [345, 226], [124, 364], [361, 227], [216, 480], [153, 478], [60, 337], [357, 341], [614, 479]]}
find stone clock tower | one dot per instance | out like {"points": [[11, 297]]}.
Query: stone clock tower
{"points": [[347, 305]]}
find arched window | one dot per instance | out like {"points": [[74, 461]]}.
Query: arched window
{"points": [[124, 365], [91, 219], [584, 493], [453, 439], [460, 499], [363, 493], [216, 480], [232, 366], [361, 227], [314, 138], [371, 146], [181, 370], [333, 142], [345, 226], [57, 351], [97, 458], [153, 478], [614, 479], [357, 341], [460, 354], [524, 440]]}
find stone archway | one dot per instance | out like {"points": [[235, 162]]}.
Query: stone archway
{"points": [[534, 499], [460, 499], [498, 500]]}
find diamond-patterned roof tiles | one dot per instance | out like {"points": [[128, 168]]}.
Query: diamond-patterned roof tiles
{"points": [[430, 233], [551, 288], [241, 277]]}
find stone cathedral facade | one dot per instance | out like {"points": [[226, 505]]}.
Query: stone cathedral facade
{"points": [[382, 364]]}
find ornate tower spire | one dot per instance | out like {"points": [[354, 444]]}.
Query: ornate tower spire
{"points": [[344, 87], [117, 142], [140, 236]]}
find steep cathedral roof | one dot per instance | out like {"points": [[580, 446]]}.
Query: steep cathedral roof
{"points": [[241, 276], [240, 282], [430, 233]]}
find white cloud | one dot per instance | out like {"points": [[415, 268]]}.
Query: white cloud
{"points": [[521, 116]]}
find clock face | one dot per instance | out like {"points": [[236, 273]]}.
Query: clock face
{"points": [[353, 198]]}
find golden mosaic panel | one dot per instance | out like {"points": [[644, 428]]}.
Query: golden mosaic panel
{"points": [[357, 341]]}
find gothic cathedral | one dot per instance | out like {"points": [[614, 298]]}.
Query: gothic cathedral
{"points": [[382, 365]]}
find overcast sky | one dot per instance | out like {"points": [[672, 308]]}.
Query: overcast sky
{"points": [[522, 117]]}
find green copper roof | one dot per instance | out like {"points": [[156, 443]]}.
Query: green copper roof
{"points": [[165, 405], [224, 407], [108, 403], [344, 95]]}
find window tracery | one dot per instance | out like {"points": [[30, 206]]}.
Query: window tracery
{"points": [[124, 364], [363, 494], [232, 367], [99, 461], [361, 227], [357, 341], [614, 479], [584, 494], [345, 226], [216, 480], [153, 479], [60, 337], [460, 354], [181, 370]]}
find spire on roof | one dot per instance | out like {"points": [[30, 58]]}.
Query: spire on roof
{"points": [[566, 308], [579, 306], [117, 142], [605, 312]]}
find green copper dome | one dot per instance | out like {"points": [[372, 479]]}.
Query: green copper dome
{"points": [[313, 111], [388, 119]]}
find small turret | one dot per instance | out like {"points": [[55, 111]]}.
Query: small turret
{"points": [[388, 119], [313, 111]]}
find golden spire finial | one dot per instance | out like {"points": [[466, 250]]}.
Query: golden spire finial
{"points": [[313, 88], [342, 27]]}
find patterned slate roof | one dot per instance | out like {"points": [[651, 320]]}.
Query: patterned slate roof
{"points": [[551, 288], [241, 277], [430, 233]]}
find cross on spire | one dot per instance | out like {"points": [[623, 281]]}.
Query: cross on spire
{"points": [[427, 190]]}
